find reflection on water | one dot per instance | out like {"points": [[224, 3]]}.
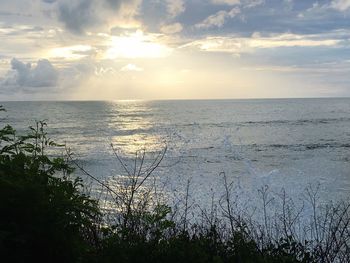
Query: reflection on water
{"points": [[130, 144], [137, 188], [285, 143], [135, 126]]}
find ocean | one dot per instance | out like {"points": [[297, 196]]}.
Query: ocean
{"points": [[288, 144]]}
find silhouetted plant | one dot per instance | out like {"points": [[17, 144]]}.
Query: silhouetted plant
{"points": [[44, 215]]}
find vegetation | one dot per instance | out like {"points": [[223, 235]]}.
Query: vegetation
{"points": [[47, 217], [44, 215]]}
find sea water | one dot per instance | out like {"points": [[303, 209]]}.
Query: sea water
{"points": [[288, 144]]}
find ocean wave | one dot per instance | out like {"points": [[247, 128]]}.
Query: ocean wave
{"points": [[264, 123], [297, 122], [309, 146]]}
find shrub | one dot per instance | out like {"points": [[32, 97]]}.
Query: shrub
{"points": [[45, 217]]}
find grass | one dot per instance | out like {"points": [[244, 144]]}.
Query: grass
{"points": [[46, 216]]}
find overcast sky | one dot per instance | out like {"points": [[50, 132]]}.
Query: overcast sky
{"points": [[173, 49]]}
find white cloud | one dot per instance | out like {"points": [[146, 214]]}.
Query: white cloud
{"points": [[340, 5], [252, 3], [175, 7], [242, 3], [171, 29], [24, 75], [227, 2], [72, 52], [218, 19], [238, 45], [131, 67]]}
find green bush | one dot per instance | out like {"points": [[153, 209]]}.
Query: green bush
{"points": [[44, 215]]}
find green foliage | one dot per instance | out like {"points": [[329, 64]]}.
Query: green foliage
{"points": [[45, 217]]}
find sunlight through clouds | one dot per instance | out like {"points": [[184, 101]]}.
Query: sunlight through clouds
{"points": [[136, 45], [71, 53], [131, 67], [118, 44]]}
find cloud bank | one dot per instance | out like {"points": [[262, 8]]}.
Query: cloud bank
{"points": [[24, 75]]}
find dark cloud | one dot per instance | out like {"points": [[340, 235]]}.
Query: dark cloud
{"points": [[114, 3], [81, 15], [78, 16], [23, 75]]}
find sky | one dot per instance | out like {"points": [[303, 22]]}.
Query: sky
{"points": [[173, 49]]}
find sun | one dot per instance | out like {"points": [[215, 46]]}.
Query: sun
{"points": [[136, 45]]}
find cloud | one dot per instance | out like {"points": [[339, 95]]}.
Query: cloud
{"points": [[252, 3], [74, 52], [175, 7], [77, 17], [218, 19], [227, 2], [341, 5], [291, 33], [43, 80], [24, 75], [114, 3], [80, 15], [243, 3], [171, 29], [131, 67], [238, 45]]}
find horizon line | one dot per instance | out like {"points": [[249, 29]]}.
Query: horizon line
{"points": [[176, 99]]}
